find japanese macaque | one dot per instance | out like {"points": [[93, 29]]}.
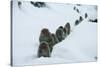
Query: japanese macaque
{"points": [[78, 4], [93, 20], [19, 4], [55, 38], [32, 2], [46, 36], [77, 22], [44, 49], [60, 34], [74, 7], [77, 10], [38, 4], [86, 15], [67, 29], [80, 18]]}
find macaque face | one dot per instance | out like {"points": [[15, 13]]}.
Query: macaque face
{"points": [[44, 46], [45, 31], [44, 50]]}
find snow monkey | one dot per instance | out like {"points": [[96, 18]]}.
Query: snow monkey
{"points": [[60, 34], [32, 2], [55, 39], [80, 18], [86, 15], [93, 20], [65, 31], [74, 7], [77, 22], [45, 35], [19, 4], [38, 4], [67, 28], [77, 10], [43, 49]]}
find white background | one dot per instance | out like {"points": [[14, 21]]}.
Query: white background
{"points": [[5, 33]]}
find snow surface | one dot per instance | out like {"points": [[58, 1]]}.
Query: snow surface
{"points": [[79, 46]]}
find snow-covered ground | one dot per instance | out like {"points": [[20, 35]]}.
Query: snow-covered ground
{"points": [[79, 46]]}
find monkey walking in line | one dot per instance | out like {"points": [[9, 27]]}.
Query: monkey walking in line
{"points": [[77, 22], [80, 18], [67, 28], [74, 7], [60, 34], [65, 31], [86, 15], [38, 4], [19, 4], [77, 10], [55, 38], [44, 49], [46, 36], [32, 2], [93, 20], [48, 40]]}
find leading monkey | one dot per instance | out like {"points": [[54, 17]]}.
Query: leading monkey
{"points": [[44, 49], [46, 36]]}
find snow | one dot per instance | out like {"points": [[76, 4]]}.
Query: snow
{"points": [[79, 46]]}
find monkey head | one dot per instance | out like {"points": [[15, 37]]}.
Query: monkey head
{"points": [[43, 45], [67, 25], [44, 49], [45, 32], [61, 27]]}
